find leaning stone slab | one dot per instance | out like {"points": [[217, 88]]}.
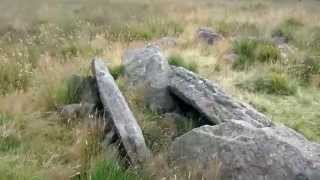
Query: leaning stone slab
{"points": [[244, 152], [209, 100], [121, 116]]}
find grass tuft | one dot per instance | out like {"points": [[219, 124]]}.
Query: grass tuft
{"points": [[66, 92], [14, 76], [251, 51], [117, 71], [177, 60], [112, 170], [9, 143], [287, 29], [271, 83]]}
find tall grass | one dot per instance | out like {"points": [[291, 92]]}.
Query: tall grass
{"points": [[271, 83], [253, 51], [14, 76], [112, 170], [177, 60], [288, 29]]}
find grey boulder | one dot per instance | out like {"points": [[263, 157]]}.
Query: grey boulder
{"points": [[147, 68], [210, 101], [117, 109], [245, 152], [208, 35]]}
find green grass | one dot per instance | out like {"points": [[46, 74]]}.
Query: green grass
{"points": [[112, 170], [151, 28], [14, 76], [288, 29], [253, 51], [69, 91], [245, 49], [299, 112], [267, 53], [304, 68], [4, 119], [179, 61], [65, 92], [9, 143], [271, 83], [117, 71]]}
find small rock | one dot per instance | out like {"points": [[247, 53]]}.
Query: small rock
{"points": [[283, 46], [73, 111], [208, 35], [230, 57]]}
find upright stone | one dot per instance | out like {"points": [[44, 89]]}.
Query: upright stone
{"points": [[118, 110], [209, 100], [148, 68]]}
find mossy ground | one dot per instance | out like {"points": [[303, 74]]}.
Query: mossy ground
{"points": [[42, 43]]}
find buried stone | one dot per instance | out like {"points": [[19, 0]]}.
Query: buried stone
{"points": [[117, 109], [208, 35]]}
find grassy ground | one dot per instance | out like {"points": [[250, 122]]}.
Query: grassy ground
{"points": [[42, 43]]}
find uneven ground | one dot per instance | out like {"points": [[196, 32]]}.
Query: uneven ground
{"points": [[42, 43]]}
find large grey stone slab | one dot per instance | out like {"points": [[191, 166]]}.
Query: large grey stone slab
{"points": [[209, 100], [123, 120], [245, 152]]}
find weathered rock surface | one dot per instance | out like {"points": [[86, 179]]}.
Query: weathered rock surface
{"points": [[209, 100], [125, 124], [245, 152], [148, 68], [208, 35]]}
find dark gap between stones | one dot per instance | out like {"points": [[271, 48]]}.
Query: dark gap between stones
{"points": [[190, 113]]}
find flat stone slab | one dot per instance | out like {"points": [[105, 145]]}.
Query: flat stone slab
{"points": [[209, 100], [115, 105]]}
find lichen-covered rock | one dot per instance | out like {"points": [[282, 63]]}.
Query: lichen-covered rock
{"points": [[245, 152], [117, 109], [209, 100], [148, 68]]}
